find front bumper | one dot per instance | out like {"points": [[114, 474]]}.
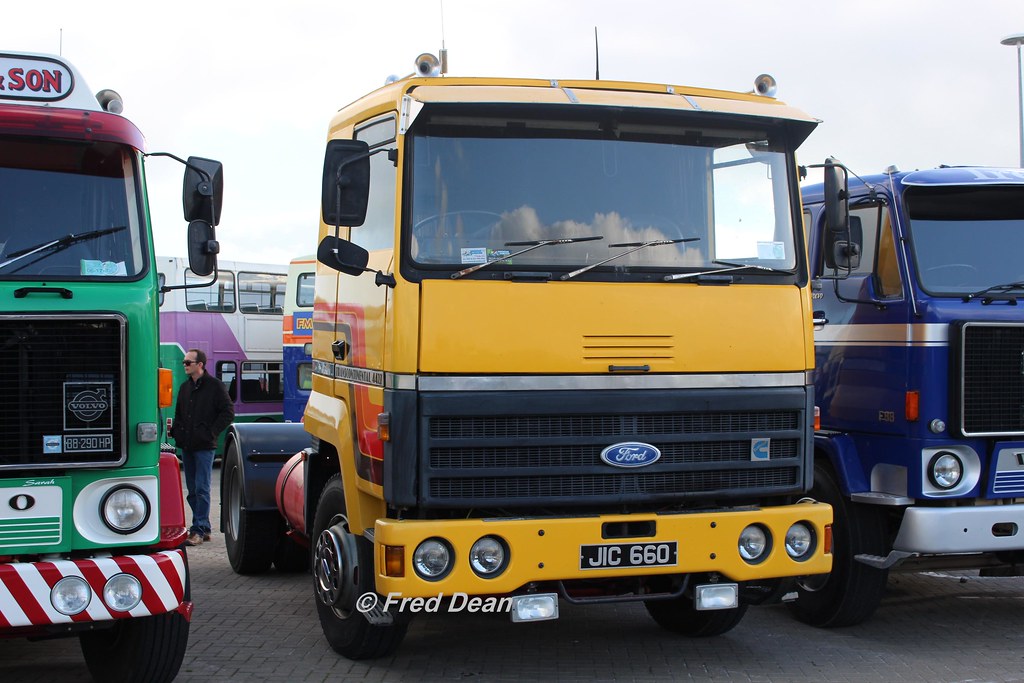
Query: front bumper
{"points": [[549, 549], [25, 588], [936, 531]]}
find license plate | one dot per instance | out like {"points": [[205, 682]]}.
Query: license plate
{"points": [[619, 555]]}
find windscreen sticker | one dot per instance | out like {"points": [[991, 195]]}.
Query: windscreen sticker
{"points": [[90, 267], [772, 251], [483, 255], [474, 255]]}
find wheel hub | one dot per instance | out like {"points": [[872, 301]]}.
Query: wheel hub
{"points": [[335, 566]]}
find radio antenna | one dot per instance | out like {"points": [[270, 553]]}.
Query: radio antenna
{"points": [[443, 56], [597, 58]]}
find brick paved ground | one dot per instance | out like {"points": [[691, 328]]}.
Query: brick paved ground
{"points": [[929, 628]]}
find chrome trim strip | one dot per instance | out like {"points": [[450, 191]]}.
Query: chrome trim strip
{"points": [[609, 382], [920, 334], [405, 382], [399, 382]]}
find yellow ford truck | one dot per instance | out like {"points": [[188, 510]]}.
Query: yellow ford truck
{"points": [[561, 353]]}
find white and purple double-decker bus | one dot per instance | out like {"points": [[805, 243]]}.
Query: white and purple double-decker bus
{"points": [[236, 319]]}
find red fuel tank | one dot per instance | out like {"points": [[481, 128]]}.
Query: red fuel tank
{"points": [[290, 495]]}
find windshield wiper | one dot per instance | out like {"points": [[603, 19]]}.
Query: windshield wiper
{"points": [[530, 246], [637, 246], [1008, 287], [59, 244], [716, 271]]}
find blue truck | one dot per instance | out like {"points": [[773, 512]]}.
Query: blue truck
{"points": [[918, 300]]}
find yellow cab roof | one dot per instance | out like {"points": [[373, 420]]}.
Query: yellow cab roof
{"points": [[573, 93]]}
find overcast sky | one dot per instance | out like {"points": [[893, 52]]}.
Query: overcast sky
{"points": [[915, 83]]}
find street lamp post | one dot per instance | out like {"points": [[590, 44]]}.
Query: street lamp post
{"points": [[1017, 41]]}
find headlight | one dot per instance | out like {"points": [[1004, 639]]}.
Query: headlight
{"points": [[124, 509], [799, 541], [70, 595], [754, 543], [432, 559], [122, 592], [946, 470], [488, 557]]}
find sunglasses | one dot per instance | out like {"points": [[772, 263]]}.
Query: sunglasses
{"points": [[187, 363]]}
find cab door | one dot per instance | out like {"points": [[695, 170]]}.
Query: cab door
{"points": [[861, 341]]}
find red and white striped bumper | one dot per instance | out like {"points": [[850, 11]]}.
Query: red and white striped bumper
{"points": [[25, 588]]}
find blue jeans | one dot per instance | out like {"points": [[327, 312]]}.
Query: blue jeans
{"points": [[198, 473]]}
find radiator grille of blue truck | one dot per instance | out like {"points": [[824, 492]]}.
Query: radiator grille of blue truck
{"points": [[991, 379]]}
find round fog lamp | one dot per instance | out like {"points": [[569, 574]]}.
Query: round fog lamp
{"points": [[946, 470], [125, 509], [487, 557], [122, 593], [70, 595], [432, 559], [753, 543], [799, 541]]}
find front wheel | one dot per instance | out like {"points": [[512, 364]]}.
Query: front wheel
{"points": [[680, 615], [143, 649], [852, 592], [343, 571]]}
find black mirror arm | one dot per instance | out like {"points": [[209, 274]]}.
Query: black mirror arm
{"points": [[880, 305], [195, 285], [381, 279], [204, 188]]}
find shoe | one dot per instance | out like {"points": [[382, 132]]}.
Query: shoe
{"points": [[206, 537], [194, 540]]}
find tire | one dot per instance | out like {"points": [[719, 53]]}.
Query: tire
{"points": [[144, 649], [852, 592], [251, 538], [679, 615], [342, 572]]}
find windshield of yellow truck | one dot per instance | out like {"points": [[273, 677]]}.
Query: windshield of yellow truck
{"points": [[642, 198]]}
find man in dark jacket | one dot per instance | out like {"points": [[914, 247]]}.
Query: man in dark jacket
{"points": [[203, 410]]}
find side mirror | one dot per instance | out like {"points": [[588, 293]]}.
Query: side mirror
{"points": [[202, 248], [846, 255], [202, 192], [837, 196], [342, 256], [843, 248], [346, 183]]}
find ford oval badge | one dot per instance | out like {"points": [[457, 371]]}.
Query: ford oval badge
{"points": [[630, 454]]}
